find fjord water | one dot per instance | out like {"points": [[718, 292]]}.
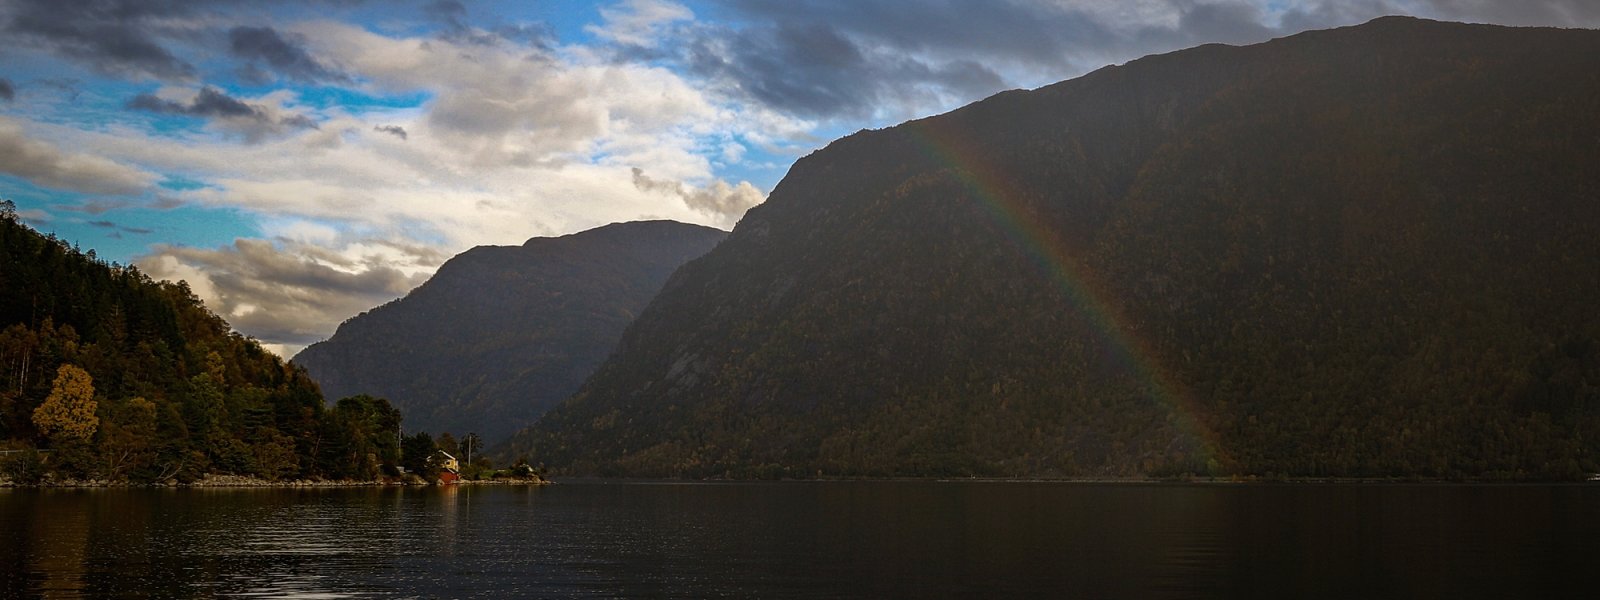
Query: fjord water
{"points": [[806, 539]]}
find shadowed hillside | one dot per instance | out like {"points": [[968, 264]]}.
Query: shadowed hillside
{"points": [[1364, 251], [502, 333]]}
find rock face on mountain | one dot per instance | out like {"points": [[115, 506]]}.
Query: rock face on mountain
{"points": [[1365, 251], [502, 333]]}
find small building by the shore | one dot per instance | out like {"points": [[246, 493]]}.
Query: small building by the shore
{"points": [[448, 462]]}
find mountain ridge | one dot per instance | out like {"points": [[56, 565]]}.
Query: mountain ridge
{"points": [[500, 332], [1266, 259]]}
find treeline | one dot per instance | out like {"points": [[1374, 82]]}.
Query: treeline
{"points": [[107, 374]]}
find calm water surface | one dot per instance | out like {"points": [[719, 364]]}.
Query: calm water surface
{"points": [[814, 539]]}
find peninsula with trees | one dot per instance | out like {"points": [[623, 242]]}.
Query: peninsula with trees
{"points": [[107, 376]]}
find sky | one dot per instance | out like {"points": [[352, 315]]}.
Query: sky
{"points": [[298, 162]]}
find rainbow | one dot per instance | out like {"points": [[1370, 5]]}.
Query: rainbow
{"points": [[992, 188]]}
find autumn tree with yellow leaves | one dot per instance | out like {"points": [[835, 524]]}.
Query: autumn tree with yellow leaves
{"points": [[68, 413]]}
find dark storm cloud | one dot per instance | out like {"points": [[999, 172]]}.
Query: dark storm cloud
{"points": [[121, 228], [7, 92], [250, 121], [119, 37], [1031, 32], [843, 59], [829, 59], [298, 122], [208, 103], [126, 38], [451, 17], [291, 60], [813, 69], [394, 130]]}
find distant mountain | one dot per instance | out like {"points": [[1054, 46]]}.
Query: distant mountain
{"points": [[502, 333], [1365, 251]]}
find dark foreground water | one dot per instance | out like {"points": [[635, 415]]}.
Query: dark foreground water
{"points": [[834, 539]]}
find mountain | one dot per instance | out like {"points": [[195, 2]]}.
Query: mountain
{"points": [[1367, 251], [123, 378], [502, 333]]}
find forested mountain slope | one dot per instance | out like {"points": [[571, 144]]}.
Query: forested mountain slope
{"points": [[502, 333], [1373, 250], [122, 378]]}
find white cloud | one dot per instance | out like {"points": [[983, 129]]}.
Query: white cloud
{"points": [[290, 295], [513, 143], [44, 164], [638, 22], [726, 202]]}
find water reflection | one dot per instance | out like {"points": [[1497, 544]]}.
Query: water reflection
{"points": [[862, 539], [60, 558]]}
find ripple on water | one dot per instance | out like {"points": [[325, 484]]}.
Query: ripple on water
{"points": [[844, 539]]}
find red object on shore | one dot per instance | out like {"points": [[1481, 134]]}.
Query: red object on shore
{"points": [[447, 477]]}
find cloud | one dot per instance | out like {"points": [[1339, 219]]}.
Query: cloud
{"points": [[34, 215], [506, 106], [98, 206], [1560, 13], [394, 130], [253, 122], [290, 294], [877, 61], [116, 37], [874, 60], [451, 18], [121, 228], [638, 23], [450, 12], [7, 91], [133, 39], [208, 103], [101, 205], [814, 70], [727, 203], [288, 59], [47, 165]]}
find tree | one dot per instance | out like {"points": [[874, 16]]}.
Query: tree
{"points": [[416, 454], [376, 425], [127, 437], [68, 412], [447, 443], [274, 455]]}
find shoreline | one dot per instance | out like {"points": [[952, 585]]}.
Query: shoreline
{"points": [[238, 481], [1136, 480]]}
